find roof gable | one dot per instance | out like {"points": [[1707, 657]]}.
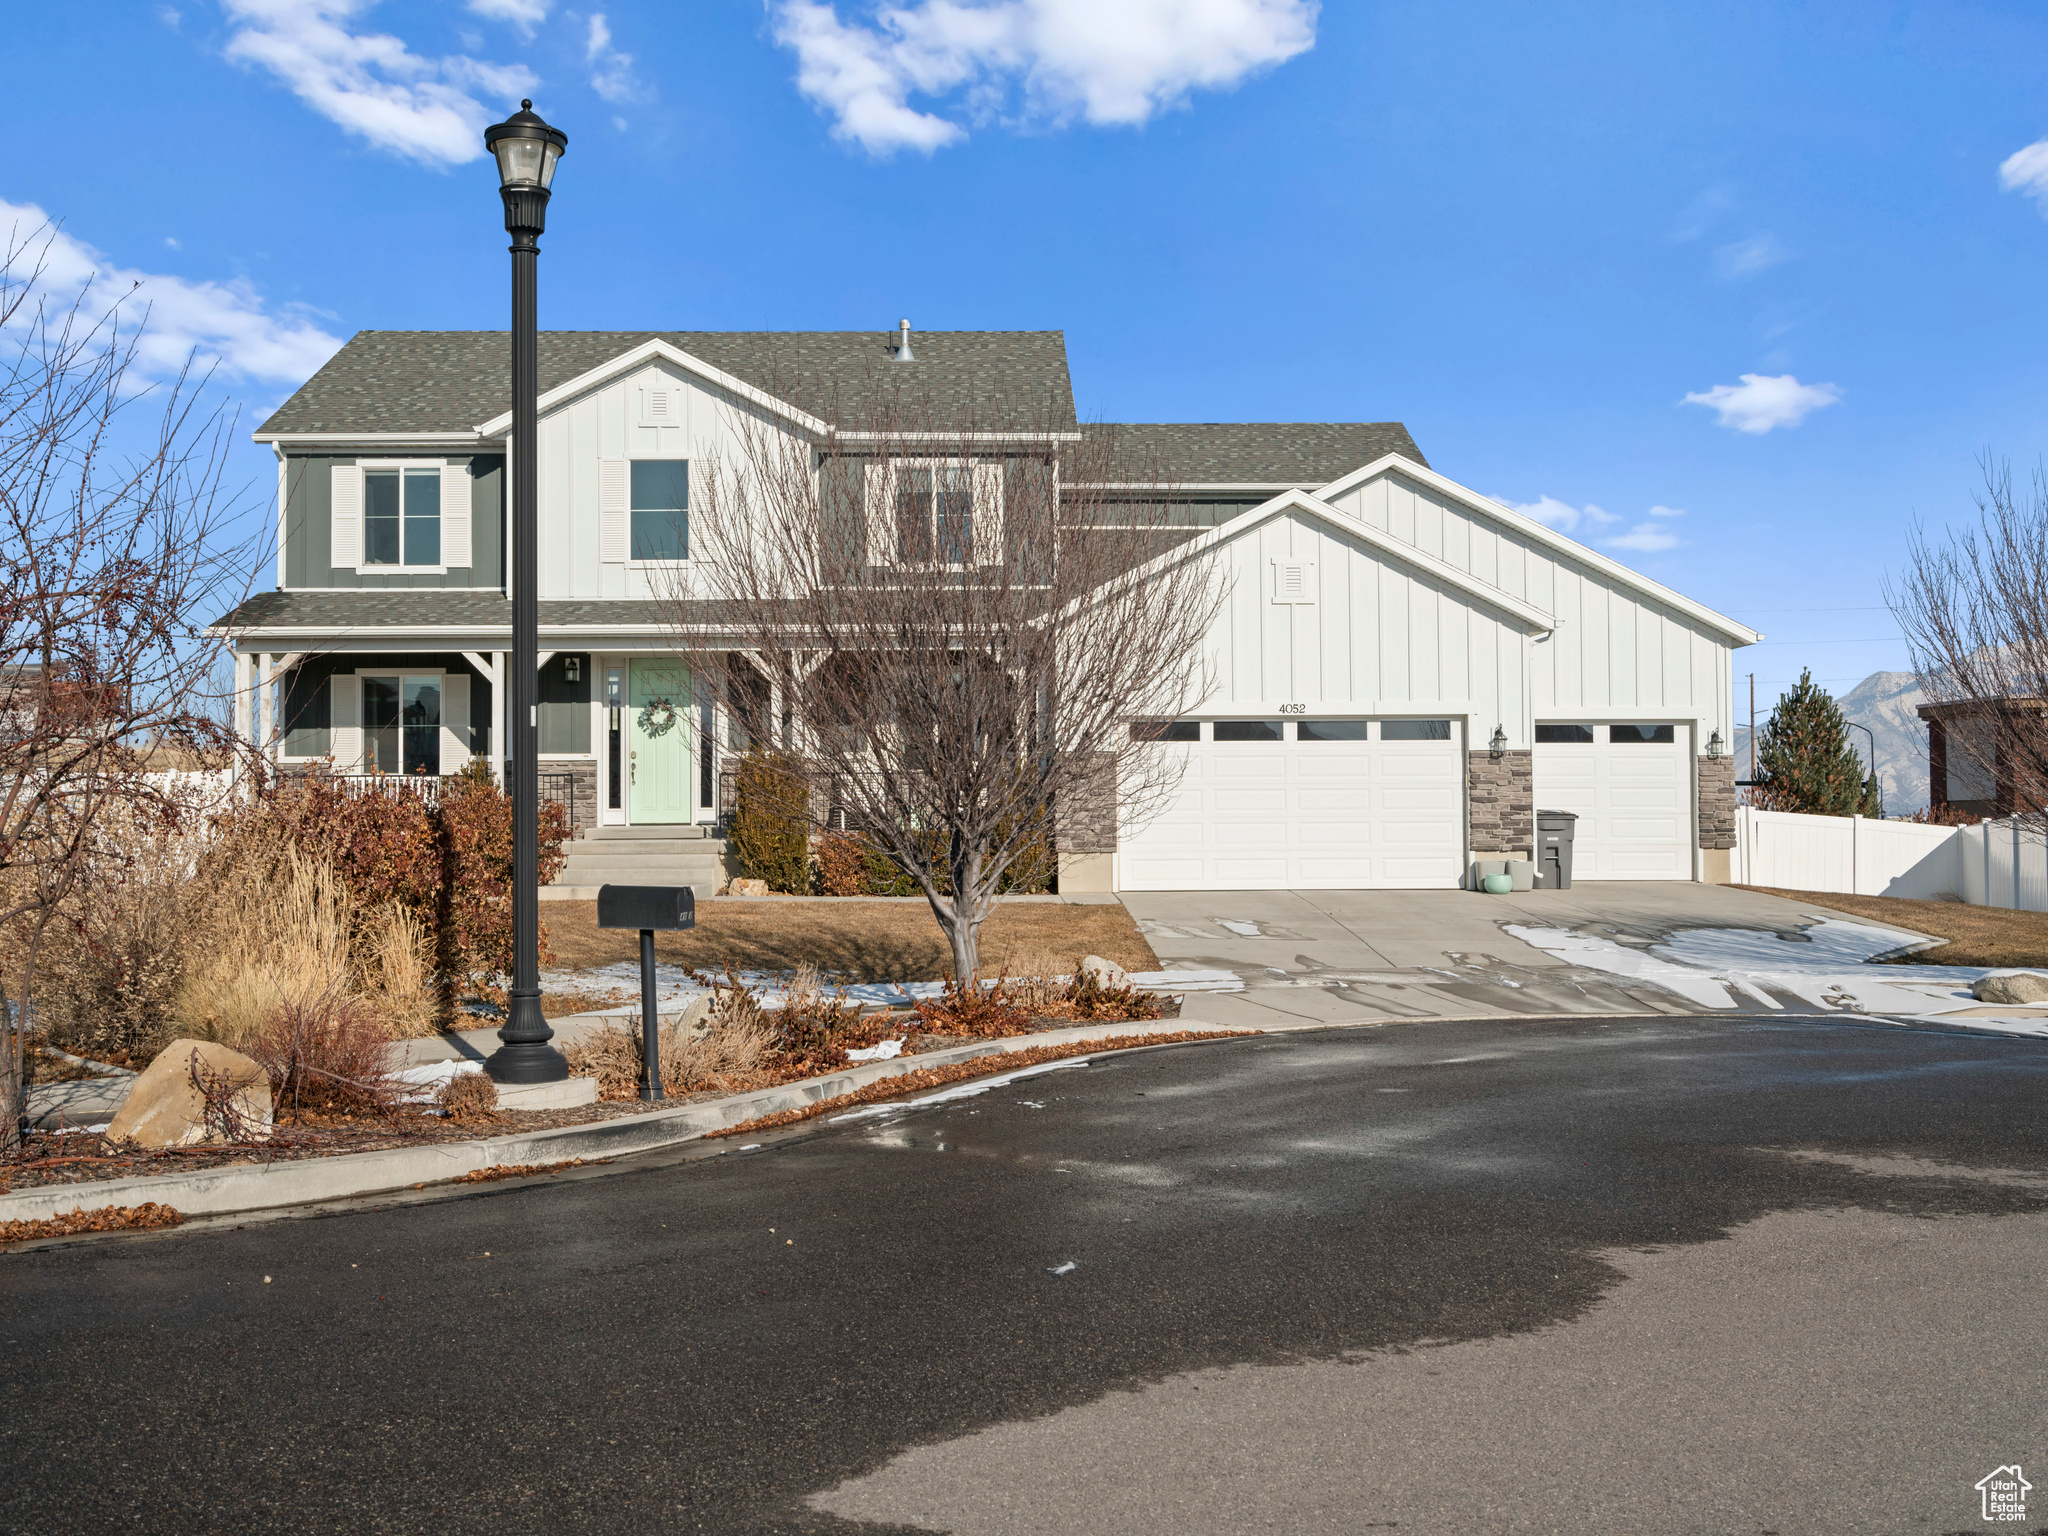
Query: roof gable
{"points": [[1550, 538], [1394, 550]]}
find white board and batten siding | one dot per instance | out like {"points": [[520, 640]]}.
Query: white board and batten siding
{"points": [[1372, 637], [1616, 653], [587, 445]]}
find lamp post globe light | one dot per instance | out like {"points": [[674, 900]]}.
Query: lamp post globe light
{"points": [[526, 150]]}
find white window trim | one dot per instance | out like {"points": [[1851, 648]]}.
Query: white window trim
{"points": [[880, 498], [654, 458], [363, 568]]}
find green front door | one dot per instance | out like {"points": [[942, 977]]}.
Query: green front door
{"points": [[658, 742]]}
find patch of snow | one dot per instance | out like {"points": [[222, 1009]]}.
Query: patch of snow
{"points": [[887, 1050], [961, 1091], [1606, 955], [1065, 1269], [1828, 967], [1244, 930], [1187, 981], [674, 990], [432, 1078]]}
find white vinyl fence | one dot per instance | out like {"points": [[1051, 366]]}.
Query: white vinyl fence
{"points": [[1991, 864]]}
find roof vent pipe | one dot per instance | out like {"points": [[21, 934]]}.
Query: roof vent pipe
{"points": [[903, 353]]}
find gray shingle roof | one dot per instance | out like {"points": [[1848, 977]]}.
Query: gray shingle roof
{"points": [[400, 609], [1262, 453], [451, 381]]}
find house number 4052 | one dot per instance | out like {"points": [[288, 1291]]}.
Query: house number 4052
{"points": [[1293, 709]]}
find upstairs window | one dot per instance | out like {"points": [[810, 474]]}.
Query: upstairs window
{"points": [[935, 512], [402, 517], [661, 509]]}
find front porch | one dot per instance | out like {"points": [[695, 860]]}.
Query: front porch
{"points": [[629, 737]]}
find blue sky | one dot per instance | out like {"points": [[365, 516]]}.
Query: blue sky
{"points": [[1735, 293]]}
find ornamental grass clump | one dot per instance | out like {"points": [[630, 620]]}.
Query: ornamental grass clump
{"points": [[468, 1098], [733, 1055]]}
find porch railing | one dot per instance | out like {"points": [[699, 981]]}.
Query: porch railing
{"points": [[424, 786]]}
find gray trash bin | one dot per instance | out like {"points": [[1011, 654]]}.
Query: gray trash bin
{"points": [[1554, 831]]}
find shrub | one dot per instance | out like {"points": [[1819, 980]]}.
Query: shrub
{"points": [[327, 1052], [277, 933], [733, 1054], [975, 1011], [809, 1030], [112, 959], [843, 864], [770, 832], [468, 1098]]}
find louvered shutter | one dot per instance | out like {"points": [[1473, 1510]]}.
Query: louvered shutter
{"points": [[454, 722], [345, 501], [613, 515], [346, 716], [455, 519], [881, 514], [988, 514]]}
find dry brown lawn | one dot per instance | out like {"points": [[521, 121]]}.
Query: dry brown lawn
{"points": [[853, 940], [1976, 935]]}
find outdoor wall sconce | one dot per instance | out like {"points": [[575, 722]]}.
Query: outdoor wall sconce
{"points": [[1714, 746], [572, 669], [1499, 744]]}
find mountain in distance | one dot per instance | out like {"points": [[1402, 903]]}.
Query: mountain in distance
{"points": [[1885, 702]]}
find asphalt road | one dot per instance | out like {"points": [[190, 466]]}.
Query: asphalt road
{"points": [[1715, 1275]]}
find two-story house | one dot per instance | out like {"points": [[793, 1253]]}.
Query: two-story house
{"points": [[1408, 669]]}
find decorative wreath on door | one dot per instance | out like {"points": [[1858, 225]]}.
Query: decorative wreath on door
{"points": [[657, 717]]}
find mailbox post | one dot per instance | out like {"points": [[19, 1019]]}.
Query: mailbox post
{"points": [[647, 907]]}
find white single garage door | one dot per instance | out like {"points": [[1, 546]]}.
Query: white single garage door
{"points": [[1631, 788], [1303, 804]]}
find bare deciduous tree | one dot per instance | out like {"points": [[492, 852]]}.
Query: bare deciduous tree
{"points": [[112, 559], [947, 633], [1974, 610]]}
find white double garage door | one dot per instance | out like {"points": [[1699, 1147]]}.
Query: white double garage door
{"points": [[1323, 804]]}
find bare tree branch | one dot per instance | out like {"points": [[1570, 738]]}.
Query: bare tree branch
{"points": [[950, 630]]}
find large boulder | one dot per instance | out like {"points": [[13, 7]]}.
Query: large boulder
{"points": [[749, 888], [1106, 974], [694, 1023], [2018, 987], [166, 1107]]}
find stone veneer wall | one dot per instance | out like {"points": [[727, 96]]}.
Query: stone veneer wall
{"points": [[1503, 800], [585, 772], [1717, 802]]}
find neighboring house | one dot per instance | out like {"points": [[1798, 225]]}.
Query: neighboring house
{"points": [[1408, 669], [1971, 767]]}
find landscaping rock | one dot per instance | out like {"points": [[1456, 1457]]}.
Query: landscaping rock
{"points": [[1106, 974], [166, 1109], [2020, 987], [750, 887], [695, 1023]]}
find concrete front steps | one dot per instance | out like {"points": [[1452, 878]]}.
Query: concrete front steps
{"points": [[667, 855]]}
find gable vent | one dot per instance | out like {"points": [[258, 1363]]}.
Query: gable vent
{"points": [[660, 407], [1294, 581]]}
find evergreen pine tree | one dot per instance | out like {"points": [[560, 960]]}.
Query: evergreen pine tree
{"points": [[1806, 762]]}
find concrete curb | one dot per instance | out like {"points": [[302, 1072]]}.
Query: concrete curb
{"points": [[305, 1181]]}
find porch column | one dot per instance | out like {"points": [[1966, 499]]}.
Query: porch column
{"points": [[266, 704], [243, 734], [500, 712]]}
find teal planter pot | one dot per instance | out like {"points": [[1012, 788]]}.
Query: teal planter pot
{"points": [[1499, 885]]}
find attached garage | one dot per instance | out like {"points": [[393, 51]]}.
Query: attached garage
{"points": [[1313, 804], [1630, 785]]}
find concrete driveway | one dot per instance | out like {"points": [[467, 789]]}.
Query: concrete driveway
{"points": [[1348, 957]]}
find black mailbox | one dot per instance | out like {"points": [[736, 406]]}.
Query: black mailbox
{"points": [[666, 907]]}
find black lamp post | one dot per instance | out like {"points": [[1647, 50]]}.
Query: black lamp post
{"points": [[526, 149]]}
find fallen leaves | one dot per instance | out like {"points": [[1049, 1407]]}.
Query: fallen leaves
{"points": [[108, 1218], [518, 1171], [980, 1066]]}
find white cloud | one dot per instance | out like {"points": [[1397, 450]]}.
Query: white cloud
{"points": [[172, 242], [1562, 515], [1649, 536], [1591, 522], [1039, 61], [2026, 170], [226, 323], [371, 83], [1761, 401], [168, 15], [523, 14], [1746, 258], [611, 72]]}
